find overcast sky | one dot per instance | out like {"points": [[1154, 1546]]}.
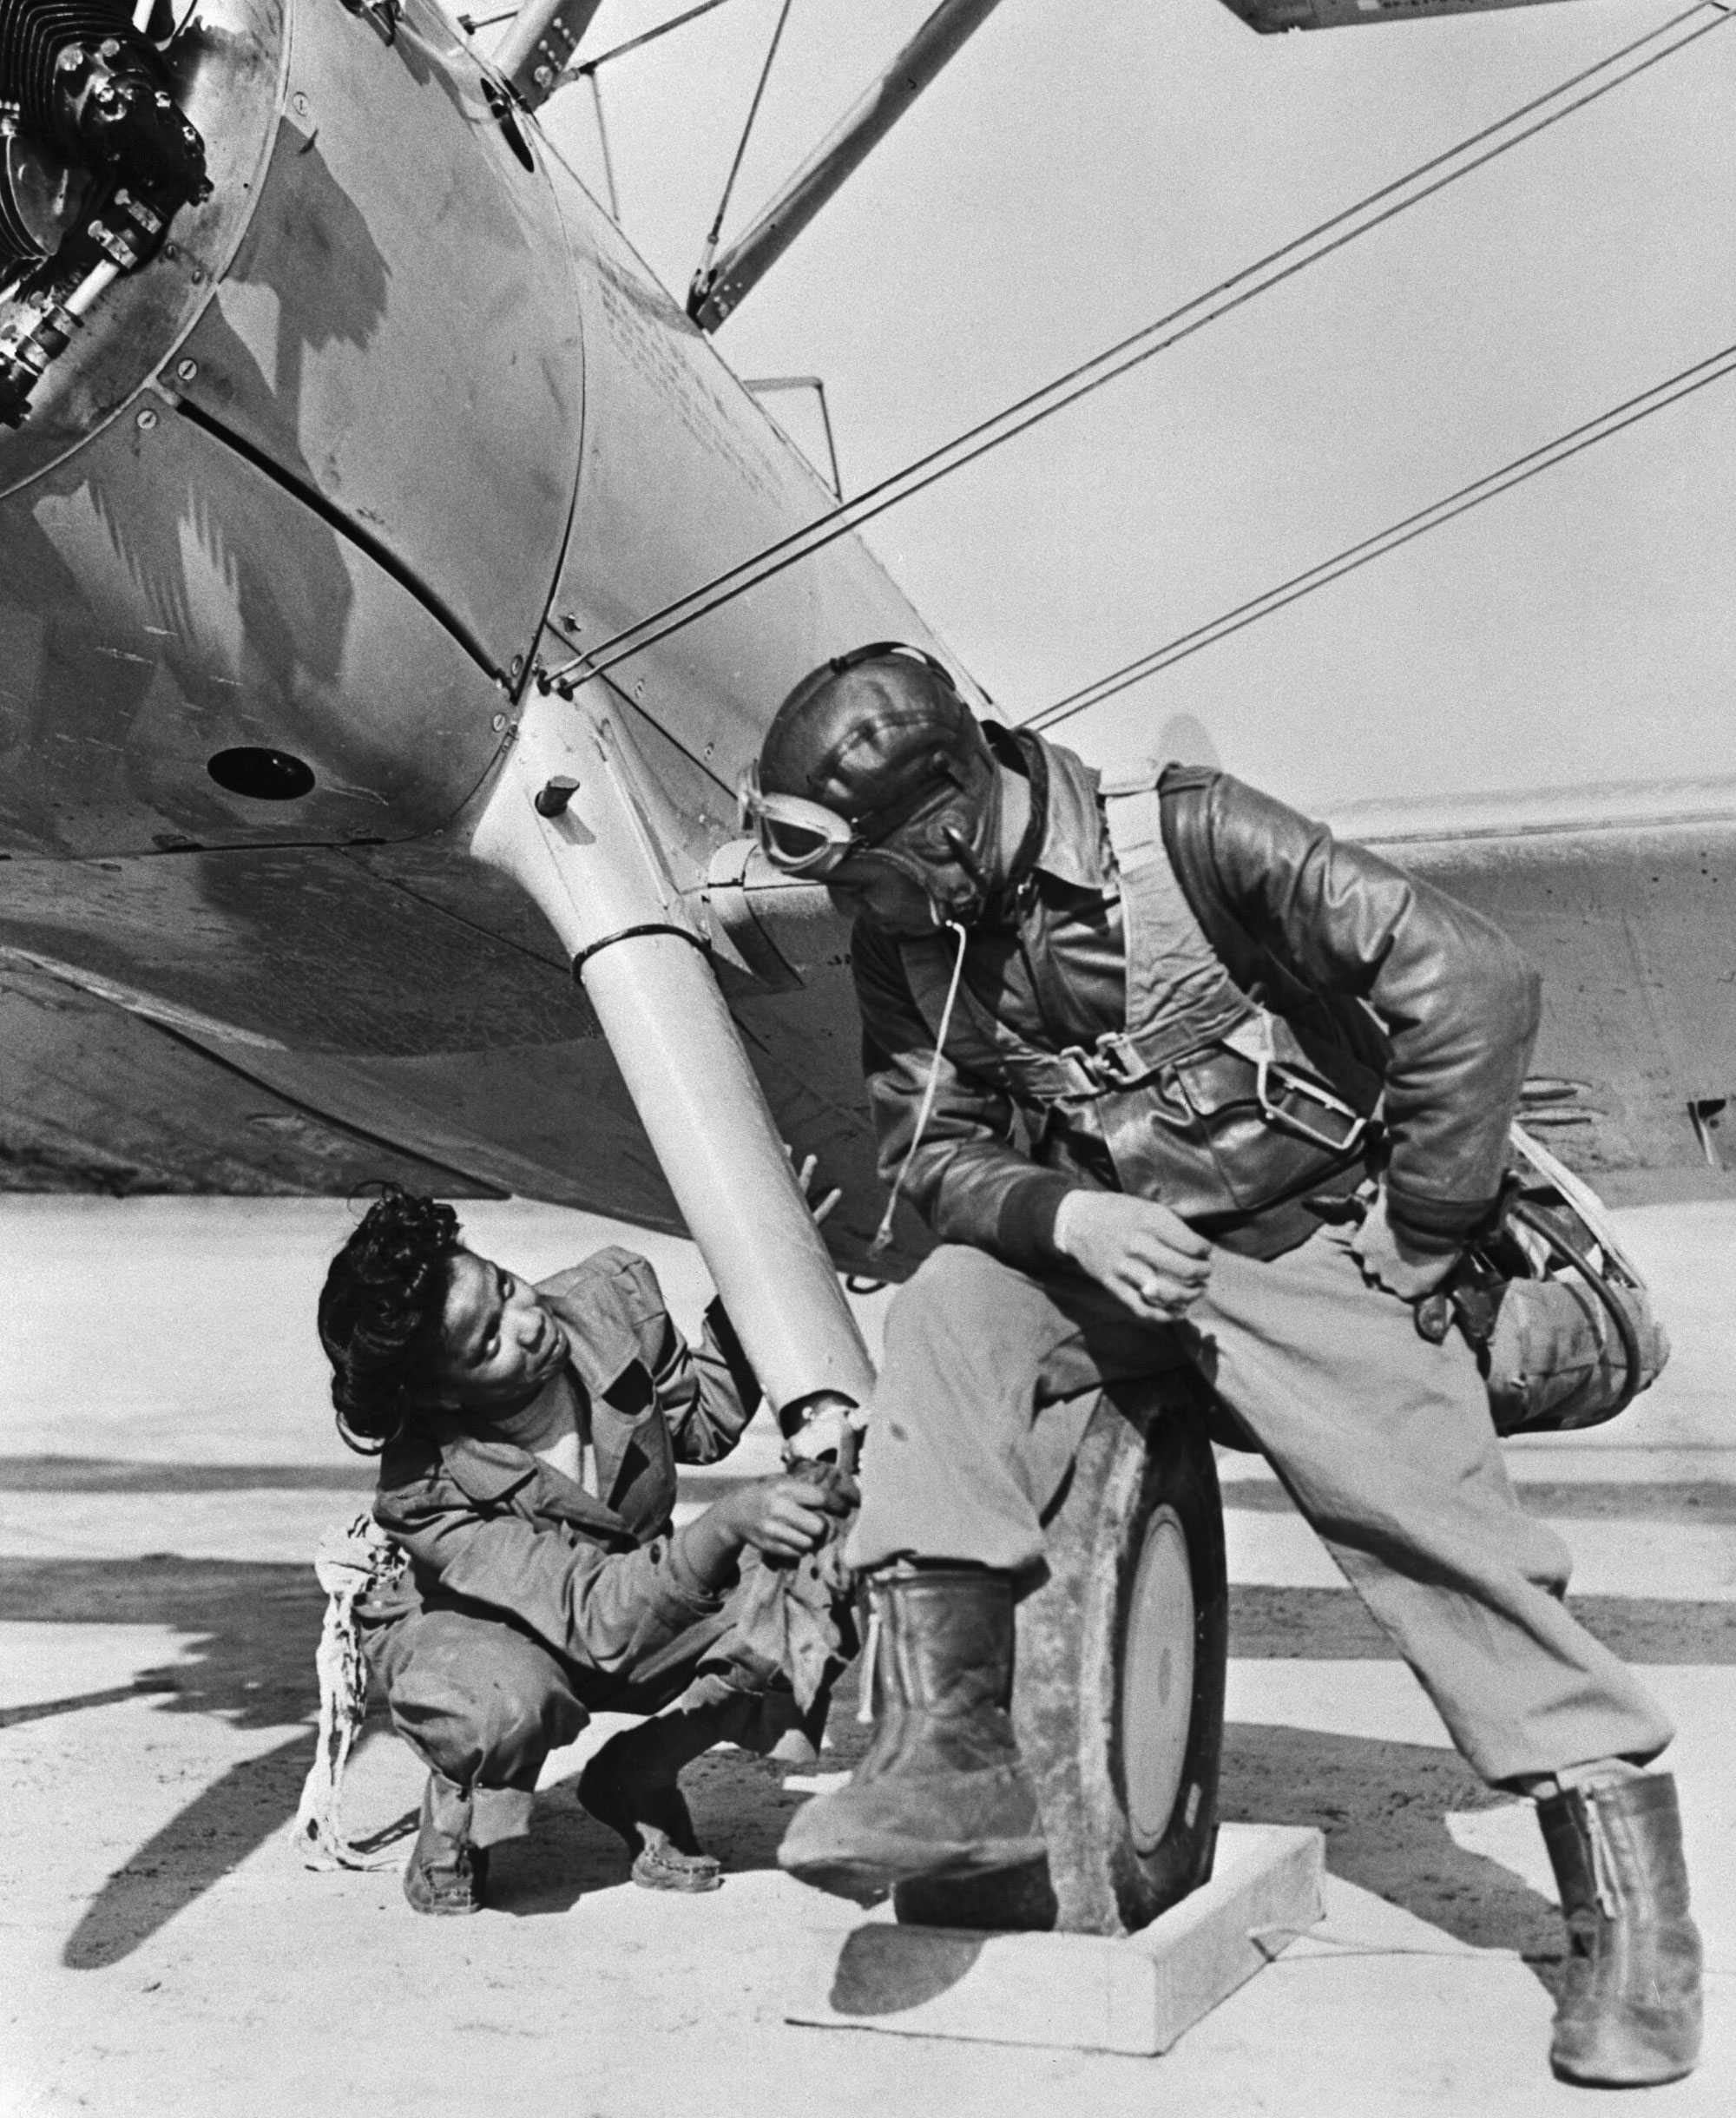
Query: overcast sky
{"points": [[1084, 165]]}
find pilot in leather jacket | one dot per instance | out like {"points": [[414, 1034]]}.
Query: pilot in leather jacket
{"points": [[1392, 988], [1210, 1088]]}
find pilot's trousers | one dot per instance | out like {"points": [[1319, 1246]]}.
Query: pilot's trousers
{"points": [[1384, 1441]]}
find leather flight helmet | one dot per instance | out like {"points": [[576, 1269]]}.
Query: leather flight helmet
{"points": [[869, 734], [876, 750]]}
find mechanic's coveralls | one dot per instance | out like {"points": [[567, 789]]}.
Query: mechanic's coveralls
{"points": [[1384, 1440], [532, 1602]]}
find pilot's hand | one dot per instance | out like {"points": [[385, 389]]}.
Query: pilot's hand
{"points": [[1394, 1264], [805, 1176], [1148, 1258]]}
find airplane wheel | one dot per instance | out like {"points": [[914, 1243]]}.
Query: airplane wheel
{"points": [[1118, 1692]]}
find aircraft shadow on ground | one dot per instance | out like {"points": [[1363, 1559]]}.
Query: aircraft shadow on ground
{"points": [[237, 1813], [248, 1660]]}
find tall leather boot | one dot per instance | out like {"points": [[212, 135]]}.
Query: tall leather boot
{"points": [[1630, 2011], [941, 1791], [446, 1873]]}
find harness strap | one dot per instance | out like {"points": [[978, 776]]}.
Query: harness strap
{"points": [[1179, 998]]}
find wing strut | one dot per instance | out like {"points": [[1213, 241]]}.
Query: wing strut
{"points": [[719, 286], [541, 41]]}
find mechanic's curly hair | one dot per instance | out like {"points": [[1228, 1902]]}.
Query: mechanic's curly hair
{"points": [[380, 1312]]}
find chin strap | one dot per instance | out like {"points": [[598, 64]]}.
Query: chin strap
{"points": [[883, 1234]]}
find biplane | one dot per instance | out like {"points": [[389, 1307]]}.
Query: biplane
{"points": [[395, 581]]}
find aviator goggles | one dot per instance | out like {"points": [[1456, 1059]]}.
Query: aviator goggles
{"points": [[805, 837], [798, 836]]}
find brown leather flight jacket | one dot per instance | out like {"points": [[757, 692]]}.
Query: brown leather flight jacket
{"points": [[1385, 989]]}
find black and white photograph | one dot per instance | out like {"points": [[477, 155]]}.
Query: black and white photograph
{"points": [[867, 1058]]}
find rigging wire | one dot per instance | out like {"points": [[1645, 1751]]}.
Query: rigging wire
{"points": [[633, 44], [609, 184], [1242, 287], [711, 241], [1661, 395]]}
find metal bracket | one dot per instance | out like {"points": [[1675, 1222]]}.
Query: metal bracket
{"points": [[382, 16]]}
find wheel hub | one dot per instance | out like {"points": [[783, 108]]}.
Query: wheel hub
{"points": [[1157, 1680]]}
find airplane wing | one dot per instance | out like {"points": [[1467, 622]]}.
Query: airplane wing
{"points": [[1622, 894], [1271, 17], [97, 1096]]}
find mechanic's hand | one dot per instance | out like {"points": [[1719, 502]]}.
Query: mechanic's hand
{"points": [[1393, 1263], [1148, 1258], [785, 1517]]}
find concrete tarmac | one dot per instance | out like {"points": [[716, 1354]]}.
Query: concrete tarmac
{"points": [[166, 1462]]}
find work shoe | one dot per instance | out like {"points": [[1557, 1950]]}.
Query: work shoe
{"points": [[941, 1791], [1629, 2012], [446, 1875], [651, 1815]]}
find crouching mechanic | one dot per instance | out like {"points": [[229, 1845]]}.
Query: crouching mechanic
{"points": [[527, 1439], [1124, 1038]]}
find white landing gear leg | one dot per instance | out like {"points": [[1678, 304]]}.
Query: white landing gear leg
{"points": [[577, 820]]}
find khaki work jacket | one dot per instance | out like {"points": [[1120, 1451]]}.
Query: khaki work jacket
{"points": [[489, 1527]]}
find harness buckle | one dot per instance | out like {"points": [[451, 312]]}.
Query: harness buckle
{"points": [[1116, 1062], [1345, 1129], [1085, 1070], [1351, 1127]]}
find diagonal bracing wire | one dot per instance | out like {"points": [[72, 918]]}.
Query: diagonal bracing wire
{"points": [[645, 36], [1714, 368], [1319, 242], [711, 241]]}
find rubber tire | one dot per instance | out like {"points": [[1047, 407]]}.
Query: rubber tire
{"points": [[1146, 1460]]}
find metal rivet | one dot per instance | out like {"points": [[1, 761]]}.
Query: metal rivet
{"points": [[498, 723], [148, 419], [300, 106], [572, 624], [187, 370]]}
